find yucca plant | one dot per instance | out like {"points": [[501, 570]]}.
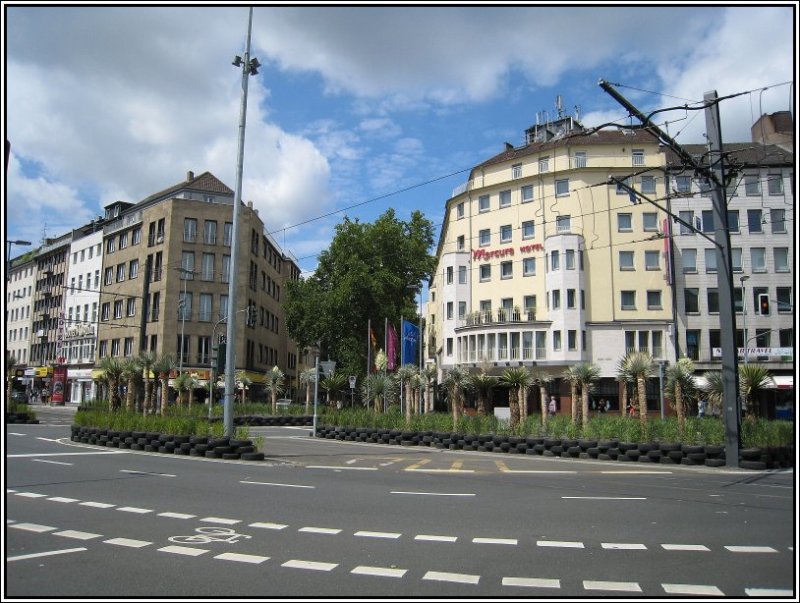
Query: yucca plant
{"points": [[752, 379], [308, 377], [680, 387], [162, 367], [146, 362], [640, 367], [454, 385], [540, 378], [482, 385], [275, 382], [112, 372], [405, 375], [378, 387], [517, 380]]}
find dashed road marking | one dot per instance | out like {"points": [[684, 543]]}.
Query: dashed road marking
{"points": [[309, 565], [684, 547], [559, 543], [62, 499], [531, 582], [449, 577], [31, 495], [241, 557], [495, 541], [129, 542], [97, 505], [137, 510], [430, 493], [339, 468], [384, 572], [365, 534], [751, 549], [314, 530], [769, 592], [183, 550], [434, 538], [268, 525], [176, 515], [276, 484], [692, 589], [623, 546], [77, 535], [45, 554], [51, 462], [631, 587], [33, 527], [221, 520]]}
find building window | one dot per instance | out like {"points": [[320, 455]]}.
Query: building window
{"points": [[460, 243], [136, 238], [621, 190], [529, 267], [123, 241], [781, 257], [486, 272], [110, 245], [118, 308], [462, 275], [712, 299], [752, 185], [114, 348], [691, 303], [572, 340], [683, 184], [506, 270], [736, 259], [651, 260], [693, 344], [462, 310], [210, 232], [711, 260], [108, 278], [449, 275], [555, 260], [449, 311], [528, 229], [516, 171], [105, 311], [579, 160], [131, 310], [650, 222], [449, 346], [757, 259], [133, 269], [775, 184], [526, 193], [185, 306], [783, 297], [562, 187], [624, 222], [120, 272], [689, 259], [226, 269], [638, 157], [777, 218], [483, 204], [733, 220], [227, 234], [557, 341], [648, 184], [505, 198], [544, 164], [484, 237], [556, 299], [570, 299], [754, 221], [687, 217], [189, 230], [460, 211], [654, 300], [505, 233], [708, 221], [206, 309], [563, 224], [628, 300], [569, 259], [626, 260]]}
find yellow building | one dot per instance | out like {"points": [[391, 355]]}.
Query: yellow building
{"points": [[542, 262]]}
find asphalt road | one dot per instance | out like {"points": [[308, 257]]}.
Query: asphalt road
{"points": [[323, 518]]}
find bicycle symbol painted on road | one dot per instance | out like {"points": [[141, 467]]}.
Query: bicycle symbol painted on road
{"points": [[208, 534]]}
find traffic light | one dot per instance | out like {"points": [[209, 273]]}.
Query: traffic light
{"points": [[763, 304], [220, 358]]}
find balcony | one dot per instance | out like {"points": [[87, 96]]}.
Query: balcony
{"points": [[502, 316]]}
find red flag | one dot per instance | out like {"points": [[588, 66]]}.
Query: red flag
{"points": [[391, 351]]}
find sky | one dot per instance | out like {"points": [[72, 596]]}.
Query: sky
{"points": [[355, 109]]}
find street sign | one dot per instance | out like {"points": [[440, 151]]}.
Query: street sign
{"points": [[352, 382]]}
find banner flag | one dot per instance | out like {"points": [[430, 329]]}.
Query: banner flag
{"points": [[410, 341], [391, 349]]}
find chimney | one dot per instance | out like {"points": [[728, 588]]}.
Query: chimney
{"points": [[189, 175]]}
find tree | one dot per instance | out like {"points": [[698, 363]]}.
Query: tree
{"points": [[680, 387], [429, 376], [333, 384], [640, 367], [365, 273], [243, 382], [585, 374], [308, 377], [713, 388], [752, 379], [570, 375], [146, 362], [454, 385], [131, 371], [276, 384], [112, 373], [482, 385], [163, 367], [405, 375], [376, 387], [540, 378], [517, 380], [184, 384]]}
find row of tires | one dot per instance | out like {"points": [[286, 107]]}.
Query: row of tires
{"points": [[664, 453], [217, 448], [273, 421], [20, 417]]}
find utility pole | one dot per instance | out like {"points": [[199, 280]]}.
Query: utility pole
{"points": [[727, 316]]}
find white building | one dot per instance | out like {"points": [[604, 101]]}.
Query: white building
{"points": [[19, 309]]}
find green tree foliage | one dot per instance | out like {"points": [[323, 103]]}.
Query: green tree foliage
{"points": [[366, 273]]}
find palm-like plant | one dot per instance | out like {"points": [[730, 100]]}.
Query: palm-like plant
{"points": [[624, 377], [585, 374], [640, 366], [243, 381], [454, 384], [112, 372], [275, 381], [570, 375], [131, 371], [163, 367], [482, 385], [540, 378], [308, 377], [429, 375], [184, 384], [752, 379], [517, 379], [406, 374], [146, 362], [712, 388], [376, 386], [11, 361], [333, 384], [680, 387]]}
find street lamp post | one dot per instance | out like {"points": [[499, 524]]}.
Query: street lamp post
{"points": [[8, 255], [742, 280]]}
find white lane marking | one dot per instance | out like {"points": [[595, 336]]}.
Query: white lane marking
{"points": [[16, 434], [351, 461], [62, 499], [51, 462], [45, 554], [9, 491], [129, 542], [339, 468], [623, 546], [268, 526], [604, 497], [559, 543], [183, 550], [241, 557], [691, 589], [31, 495], [384, 572], [309, 565], [751, 549], [449, 577], [275, 484], [768, 592], [495, 540], [439, 470], [134, 510], [32, 527], [631, 587], [553, 471], [222, 520], [429, 493], [77, 535], [531, 582], [146, 473], [97, 505], [23, 456], [635, 472], [684, 547], [431, 537], [176, 515], [320, 530], [366, 534], [48, 439]]}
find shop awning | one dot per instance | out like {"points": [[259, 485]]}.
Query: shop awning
{"points": [[782, 382]]}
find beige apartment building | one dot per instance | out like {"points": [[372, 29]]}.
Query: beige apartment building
{"points": [[165, 278], [542, 262]]}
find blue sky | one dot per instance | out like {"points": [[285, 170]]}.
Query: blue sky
{"points": [[351, 104]]}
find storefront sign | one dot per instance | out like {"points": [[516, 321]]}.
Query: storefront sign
{"points": [[59, 384], [717, 352]]}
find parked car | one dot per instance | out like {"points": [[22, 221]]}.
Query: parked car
{"points": [[19, 397]]}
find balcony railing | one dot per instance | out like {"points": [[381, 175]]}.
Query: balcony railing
{"points": [[503, 315]]}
